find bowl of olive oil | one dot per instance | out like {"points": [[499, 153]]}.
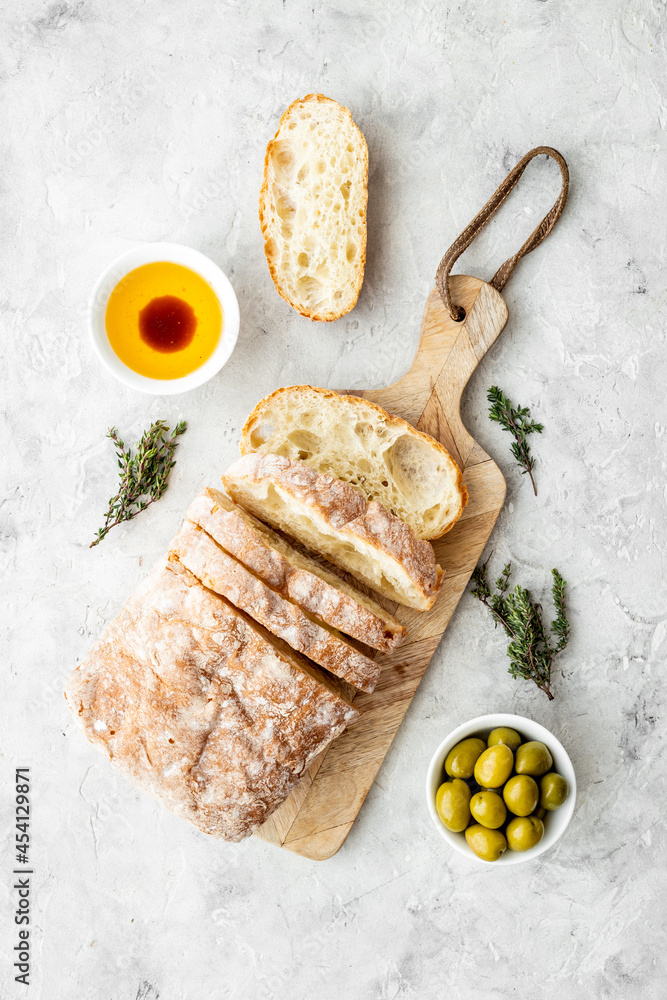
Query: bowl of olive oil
{"points": [[163, 318]]}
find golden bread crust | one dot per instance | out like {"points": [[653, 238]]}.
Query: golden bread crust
{"points": [[283, 404], [341, 513], [225, 575], [318, 591], [195, 705]]}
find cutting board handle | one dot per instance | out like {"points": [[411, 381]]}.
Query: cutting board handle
{"points": [[462, 319], [429, 394], [539, 234]]}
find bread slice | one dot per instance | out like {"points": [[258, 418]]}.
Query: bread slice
{"points": [[332, 518], [317, 590], [222, 573], [312, 208], [410, 473], [196, 705]]}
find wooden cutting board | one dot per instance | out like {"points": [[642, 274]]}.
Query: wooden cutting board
{"points": [[317, 817]]}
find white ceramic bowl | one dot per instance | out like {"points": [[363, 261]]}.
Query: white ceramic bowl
{"points": [[555, 822], [149, 253]]}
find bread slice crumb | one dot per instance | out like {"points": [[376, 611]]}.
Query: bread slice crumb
{"points": [[312, 208]]}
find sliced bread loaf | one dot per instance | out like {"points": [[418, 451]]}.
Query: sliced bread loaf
{"points": [[198, 706], [410, 473], [223, 574], [333, 519], [312, 208], [317, 590]]}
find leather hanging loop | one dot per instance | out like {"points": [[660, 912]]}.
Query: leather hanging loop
{"points": [[493, 204]]}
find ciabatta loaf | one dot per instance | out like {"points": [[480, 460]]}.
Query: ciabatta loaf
{"points": [[225, 575], [410, 473], [312, 208], [317, 590], [196, 705], [333, 519]]}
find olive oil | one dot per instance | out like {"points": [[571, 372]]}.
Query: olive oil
{"points": [[163, 320]]}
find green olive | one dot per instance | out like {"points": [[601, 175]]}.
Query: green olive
{"points": [[521, 794], [460, 761], [509, 737], [494, 766], [540, 812], [452, 801], [488, 809], [533, 758], [524, 832], [553, 791], [486, 844]]}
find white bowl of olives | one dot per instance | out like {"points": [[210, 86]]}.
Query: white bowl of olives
{"points": [[501, 789]]}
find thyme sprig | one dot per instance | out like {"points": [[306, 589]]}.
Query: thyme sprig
{"points": [[143, 476], [530, 650], [518, 423]]}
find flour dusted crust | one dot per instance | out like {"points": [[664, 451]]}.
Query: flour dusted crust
{"points": [[312, 208], [225, 575], [334, 519], [349, 437], [301, 579], [197, 706]]}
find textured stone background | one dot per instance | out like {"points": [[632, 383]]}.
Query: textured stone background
{"points": [[132, 122]]}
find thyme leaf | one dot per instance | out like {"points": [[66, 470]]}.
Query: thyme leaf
{"points": [[143, 476], [530, 647], [517, 421]]}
